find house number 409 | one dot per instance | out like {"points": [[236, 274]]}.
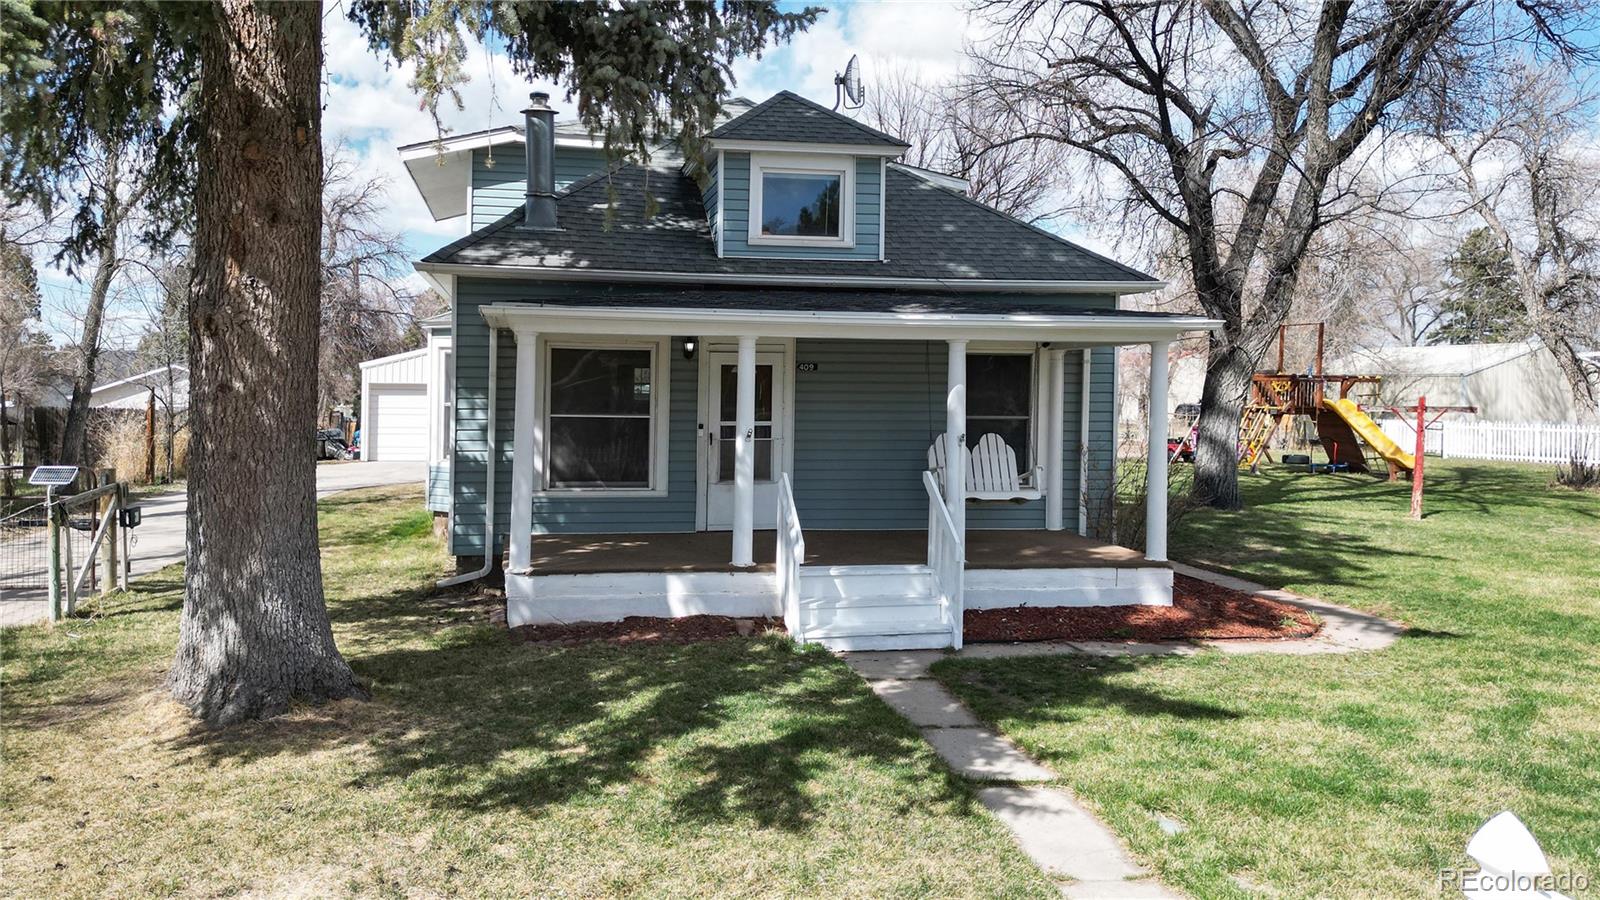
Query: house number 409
{"points": [[805, 367]]}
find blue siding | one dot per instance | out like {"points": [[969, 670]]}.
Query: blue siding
{"points": [[438, 493], [674, 512], [709, 194], [501, 188], [736, 206], [863, 422]]}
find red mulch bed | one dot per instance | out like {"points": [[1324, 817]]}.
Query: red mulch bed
{"points": [[647, 630], [1199, 609]]}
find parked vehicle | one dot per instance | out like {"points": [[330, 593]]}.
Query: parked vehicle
{"points": [[331, 445]]}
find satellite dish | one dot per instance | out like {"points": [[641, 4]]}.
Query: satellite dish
{"points": [[847, 87]]}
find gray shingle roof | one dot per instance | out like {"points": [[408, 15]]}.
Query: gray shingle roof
{"points": [[930, 233], [791, 118]]}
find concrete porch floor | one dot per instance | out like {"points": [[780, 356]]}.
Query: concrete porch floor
{"points": [[709, 551]]}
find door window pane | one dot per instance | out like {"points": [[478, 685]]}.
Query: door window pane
{"points": [[800, 204], [728, 398], [727, 448], [1000, 401], [599, 426]]}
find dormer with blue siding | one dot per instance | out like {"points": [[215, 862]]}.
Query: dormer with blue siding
{"points": [[794, 180]]}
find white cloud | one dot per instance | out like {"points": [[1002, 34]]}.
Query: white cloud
{"points": [[924, 38]]}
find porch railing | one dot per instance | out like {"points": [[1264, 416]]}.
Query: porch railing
{"points": [[947, 559], [791, 555]]}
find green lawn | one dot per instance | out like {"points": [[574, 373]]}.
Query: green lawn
{"points": [[481, 767], [1361, 774]]}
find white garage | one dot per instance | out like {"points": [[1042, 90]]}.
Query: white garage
{"points": [[395, 411]]}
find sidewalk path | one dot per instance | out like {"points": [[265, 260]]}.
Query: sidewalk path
{"points": [[1066, 841], [159, 540]]}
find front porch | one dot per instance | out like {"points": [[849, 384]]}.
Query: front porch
{"points": [[852, 590], [868, 425]]}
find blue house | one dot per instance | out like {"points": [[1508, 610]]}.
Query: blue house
{"points": [[816, 384]]}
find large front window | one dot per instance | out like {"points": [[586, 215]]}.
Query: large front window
{"points": [[801, 200], [600, 428], [1000, 401]]}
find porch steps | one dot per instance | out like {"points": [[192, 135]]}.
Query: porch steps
{"points": [[884, 607]]}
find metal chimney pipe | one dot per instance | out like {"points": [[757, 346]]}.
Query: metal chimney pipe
{"points": [[539, 139]]}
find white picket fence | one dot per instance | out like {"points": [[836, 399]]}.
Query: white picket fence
{"points": [[1535, 442]]}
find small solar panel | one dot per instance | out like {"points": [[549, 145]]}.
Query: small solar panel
{"points": [[53, 475]]}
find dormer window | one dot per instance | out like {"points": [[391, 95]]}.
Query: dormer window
{"points": [[801, 200]]}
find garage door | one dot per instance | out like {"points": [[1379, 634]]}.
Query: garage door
{"points": [[399, 428]]}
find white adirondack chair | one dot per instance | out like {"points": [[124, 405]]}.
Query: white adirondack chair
{"points": [[991, 470]]}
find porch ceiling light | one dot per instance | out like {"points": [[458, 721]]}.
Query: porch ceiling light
{"points": [[689, 346]]}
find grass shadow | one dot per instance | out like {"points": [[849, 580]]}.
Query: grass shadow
{"points": [[1037, 688]]}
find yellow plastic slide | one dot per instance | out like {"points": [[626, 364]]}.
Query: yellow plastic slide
{"points": [[1369, 431]]}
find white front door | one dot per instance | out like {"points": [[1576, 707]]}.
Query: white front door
{"points": [[719, 425]]}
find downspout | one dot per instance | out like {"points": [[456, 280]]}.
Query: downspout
{"points": [[494, 463]]}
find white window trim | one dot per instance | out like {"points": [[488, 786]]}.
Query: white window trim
{"points": [[1037, 440], [660, 429], [806, 164]]}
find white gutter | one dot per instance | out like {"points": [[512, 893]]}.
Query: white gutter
{"points": [[546, 273], [494, 461], [1094, 329]]}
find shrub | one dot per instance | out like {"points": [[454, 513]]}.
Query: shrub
{"points": [[1579, 474], [121, 444]]}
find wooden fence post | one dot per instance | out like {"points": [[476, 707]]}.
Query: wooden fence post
{"points": [[1416, 471], [150, 438], [109, 509]]}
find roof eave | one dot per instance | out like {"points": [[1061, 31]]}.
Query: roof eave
{"points": [[1037, 286], [737, 145], [1078, 329]]}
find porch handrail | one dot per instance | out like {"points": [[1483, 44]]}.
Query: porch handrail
{"points": [[791, 555], [947, 559]]}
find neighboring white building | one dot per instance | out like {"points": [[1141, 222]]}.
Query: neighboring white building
{"points": [[406, 410], [171, 389], [1517, 382]]}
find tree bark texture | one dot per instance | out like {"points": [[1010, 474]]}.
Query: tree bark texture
{"points": [[255, 632], [75, 431]]}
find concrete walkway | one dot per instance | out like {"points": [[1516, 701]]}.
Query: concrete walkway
{"points": [[1063, 838], [159, 541]]}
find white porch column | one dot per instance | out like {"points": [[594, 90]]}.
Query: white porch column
{"points": [[1155, 500], [1083, 442], [527, 463], [1055, 486], [744, 459], [955, 437]]}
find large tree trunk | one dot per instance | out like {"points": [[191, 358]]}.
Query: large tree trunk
{"points": [[75, 432], [1216, 458], [255, 631]]}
